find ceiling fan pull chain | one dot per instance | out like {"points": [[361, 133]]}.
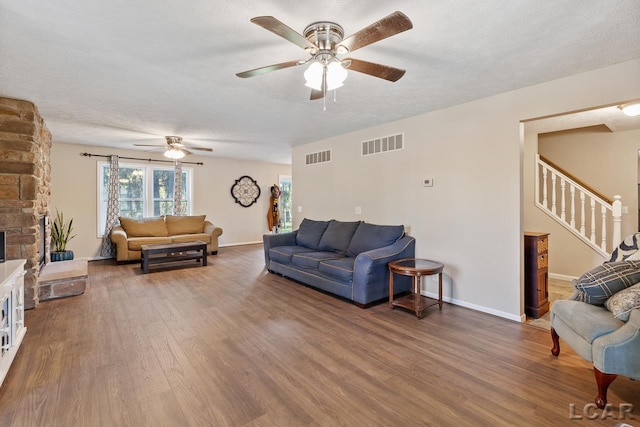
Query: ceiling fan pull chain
{"points": [[324, 88]]}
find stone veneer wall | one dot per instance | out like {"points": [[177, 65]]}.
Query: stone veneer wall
{"points": [[25, 185]]}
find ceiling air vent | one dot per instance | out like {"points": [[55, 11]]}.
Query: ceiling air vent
{"points": [[319, 157], [382, 145]]}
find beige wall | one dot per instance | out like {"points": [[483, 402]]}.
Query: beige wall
{"points": [[568, 256], [74, 186], [605, 160], [471, 219]]}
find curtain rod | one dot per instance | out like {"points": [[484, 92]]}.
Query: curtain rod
{"points": [[137, 158]]}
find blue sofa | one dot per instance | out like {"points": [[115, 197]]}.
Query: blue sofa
{"points": [[347, 259]]}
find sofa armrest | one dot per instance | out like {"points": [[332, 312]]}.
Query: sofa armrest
{"points": [[215, 232], [273, 240], [212, 230], [371, 273], [119, 238], [617, 352]]}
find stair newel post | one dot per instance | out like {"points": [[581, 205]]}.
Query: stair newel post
{"points": [[616, 206]]}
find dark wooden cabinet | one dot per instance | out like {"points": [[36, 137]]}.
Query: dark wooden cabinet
{"points": [[536, 273]]}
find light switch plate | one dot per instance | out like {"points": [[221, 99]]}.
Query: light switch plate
{"points": [[427, 182]]}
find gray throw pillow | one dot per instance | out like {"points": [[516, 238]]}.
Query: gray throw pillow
{"points": [[621, 303], [310, 232], [597, 285]]}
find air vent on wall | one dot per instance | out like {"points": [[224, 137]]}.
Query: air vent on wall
{"points": [[319, 157], [382, 145]]}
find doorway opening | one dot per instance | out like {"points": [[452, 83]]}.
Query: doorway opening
{"points": [[286, 217]]}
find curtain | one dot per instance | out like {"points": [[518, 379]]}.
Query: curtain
{"points": [[177, 189], [113, 207]]}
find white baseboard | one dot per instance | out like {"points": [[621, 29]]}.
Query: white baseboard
{"points": [[516, 318], [561, 277], [239, 244]]}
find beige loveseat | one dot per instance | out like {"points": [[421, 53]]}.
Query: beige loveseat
{"points": [[133, 233]]}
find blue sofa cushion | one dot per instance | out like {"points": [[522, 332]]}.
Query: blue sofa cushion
{"points": [[312, 259], [339, 268], [283, 254], [598, 284], [371, 236], [337, 236], [310, 232]]}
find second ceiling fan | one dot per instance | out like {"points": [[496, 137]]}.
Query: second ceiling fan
{"points": [[175, 148], [324, 41]]}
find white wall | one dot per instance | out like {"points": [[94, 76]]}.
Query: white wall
{"points": [[74, 186], [471, 219]]}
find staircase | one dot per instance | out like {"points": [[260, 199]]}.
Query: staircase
{"points": [[592, 217]]}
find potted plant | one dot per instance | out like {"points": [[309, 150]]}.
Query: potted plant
{"points": [[60, 236]]}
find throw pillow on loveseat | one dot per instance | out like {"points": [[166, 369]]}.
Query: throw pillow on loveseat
{"points": [[132, 233]]}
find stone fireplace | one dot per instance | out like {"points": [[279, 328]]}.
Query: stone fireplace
{"points": [[25, 188]]}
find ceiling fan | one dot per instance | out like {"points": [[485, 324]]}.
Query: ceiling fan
{"points": [[174, 148], [324, 42]]}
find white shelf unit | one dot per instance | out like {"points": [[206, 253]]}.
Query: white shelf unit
{"points": [[12, 327]]}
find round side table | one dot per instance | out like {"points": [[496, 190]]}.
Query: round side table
{"points": [[415, 268]]}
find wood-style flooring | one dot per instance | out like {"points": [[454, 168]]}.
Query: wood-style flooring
{"points": [[232, 345]]}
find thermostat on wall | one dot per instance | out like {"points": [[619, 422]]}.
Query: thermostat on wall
{"points": [[427, 182]]}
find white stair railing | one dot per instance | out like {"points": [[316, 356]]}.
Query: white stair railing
{"points": [[602, 214]]}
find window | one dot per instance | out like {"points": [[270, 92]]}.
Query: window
{"points": [[286, 219], [145, 190]]}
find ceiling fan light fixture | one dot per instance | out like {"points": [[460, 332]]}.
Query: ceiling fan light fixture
{"points": [[631, 110], [313, 75], [336, 75], [174, 153]]}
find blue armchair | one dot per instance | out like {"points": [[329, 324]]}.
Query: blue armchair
{"points": [[601, 322]]}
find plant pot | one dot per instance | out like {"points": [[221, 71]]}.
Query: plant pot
{"points": [[61, 256]]}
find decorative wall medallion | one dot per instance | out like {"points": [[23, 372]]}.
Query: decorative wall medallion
{"points": [[245, 191]]}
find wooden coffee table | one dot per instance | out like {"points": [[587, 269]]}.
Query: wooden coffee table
{"points": [[172, 252], [416, 268]]}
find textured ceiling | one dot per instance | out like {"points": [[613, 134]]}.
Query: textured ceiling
{"points": [[115, 72]]}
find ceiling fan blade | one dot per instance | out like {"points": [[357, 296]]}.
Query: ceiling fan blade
{"points": [[185, 151], [267, 69], [190, 147], [316, 94], [388, 26], [149, 145], [277, 27], [376, 70]]}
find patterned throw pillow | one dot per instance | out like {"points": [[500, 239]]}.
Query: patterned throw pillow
{"points": [[623, 302], [627, 248], [597, 285]]}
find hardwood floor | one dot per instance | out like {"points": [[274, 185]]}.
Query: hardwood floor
{"points": [[232, 345]]}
